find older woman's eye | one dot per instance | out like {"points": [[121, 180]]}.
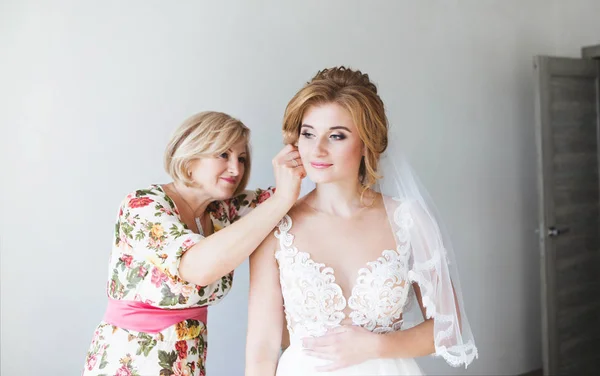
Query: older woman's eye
{"points": [[242, 159], [224, 155]]}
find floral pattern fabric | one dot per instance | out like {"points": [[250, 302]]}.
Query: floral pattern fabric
{"points": [[149, 240]]}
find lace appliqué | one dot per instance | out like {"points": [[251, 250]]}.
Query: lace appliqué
{"points": [[314, 302], [380, 293]]}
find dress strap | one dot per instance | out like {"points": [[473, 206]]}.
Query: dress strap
{"points": [[282, 233]]}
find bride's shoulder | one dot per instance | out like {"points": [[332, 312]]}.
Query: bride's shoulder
{"points": [[300, 211], [392, 201], [378, 200]]}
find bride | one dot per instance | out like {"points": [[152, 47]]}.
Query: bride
{"points": [[359, 269]]}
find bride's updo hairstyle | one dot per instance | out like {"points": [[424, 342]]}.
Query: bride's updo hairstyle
{"points": [[354, 91]]}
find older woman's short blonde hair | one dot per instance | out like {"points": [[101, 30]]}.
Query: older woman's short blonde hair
{"points": [[205, 135]]}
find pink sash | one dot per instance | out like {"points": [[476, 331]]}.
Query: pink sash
{"points": [[142, 317]]}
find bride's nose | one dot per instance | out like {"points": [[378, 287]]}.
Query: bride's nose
{"points": [[320, 149]]}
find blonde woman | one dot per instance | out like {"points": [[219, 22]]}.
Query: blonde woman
{"points": [[363, 279], [176, 246]]}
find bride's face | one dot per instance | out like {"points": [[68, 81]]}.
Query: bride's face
{"points": [[329, 144]]}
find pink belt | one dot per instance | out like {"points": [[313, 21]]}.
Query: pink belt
{"points": [[142, 317]]}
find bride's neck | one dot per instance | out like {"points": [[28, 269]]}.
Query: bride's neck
{"points": [[339, 199]]}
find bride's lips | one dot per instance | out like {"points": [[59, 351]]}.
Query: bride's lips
{"points": [[320, 165], [230, 180]]}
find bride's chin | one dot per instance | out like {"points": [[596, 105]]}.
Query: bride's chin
{"points": [[320, 179]]}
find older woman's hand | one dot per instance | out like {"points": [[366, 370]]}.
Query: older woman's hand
{"points": [[289, 173]]}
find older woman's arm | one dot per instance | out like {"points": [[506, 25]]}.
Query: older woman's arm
{"points": [[220, 253]]}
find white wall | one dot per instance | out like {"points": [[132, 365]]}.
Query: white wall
{"points": [[90, 92]]}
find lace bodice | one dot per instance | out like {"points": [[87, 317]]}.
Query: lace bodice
{"points": [[314, 302]]}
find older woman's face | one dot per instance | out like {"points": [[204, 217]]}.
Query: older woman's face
{"points": [[220, 176]]}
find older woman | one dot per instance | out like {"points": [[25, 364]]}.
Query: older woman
{"points": [[176, 246]]}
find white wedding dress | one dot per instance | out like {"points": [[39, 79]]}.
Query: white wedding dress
{"points": [[314, 303]]}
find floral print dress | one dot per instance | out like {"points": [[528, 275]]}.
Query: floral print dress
{"points": [[150, 239]]}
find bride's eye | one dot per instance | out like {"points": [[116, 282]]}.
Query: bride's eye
{"points": [[306, 134], [338, 136]]}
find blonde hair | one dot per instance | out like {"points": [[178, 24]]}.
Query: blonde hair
{"points": [[354, 91], [205, 135]]}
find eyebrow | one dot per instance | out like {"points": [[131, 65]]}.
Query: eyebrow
{"points": [[331, 129], [231, 151]]}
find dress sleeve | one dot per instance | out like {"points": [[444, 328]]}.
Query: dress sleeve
{"points": [[149, 225], [242, 204]]}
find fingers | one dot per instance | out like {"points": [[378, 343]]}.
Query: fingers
{"points": [[332, 336], [293, 159], [296, 166], [287, 154], [292, 155], [290, 151], [290, 158], [339, 346], [281, 156], [293, 163], [320, 354], [299, 171], [320, 342], [287, 149]]}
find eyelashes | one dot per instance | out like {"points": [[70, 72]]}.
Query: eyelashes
{"points": [[226, 156], [335, 136]]}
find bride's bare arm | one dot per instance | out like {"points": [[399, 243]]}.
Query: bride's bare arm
{"points": [[265, 311], [409, 343], [416, 341]]}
